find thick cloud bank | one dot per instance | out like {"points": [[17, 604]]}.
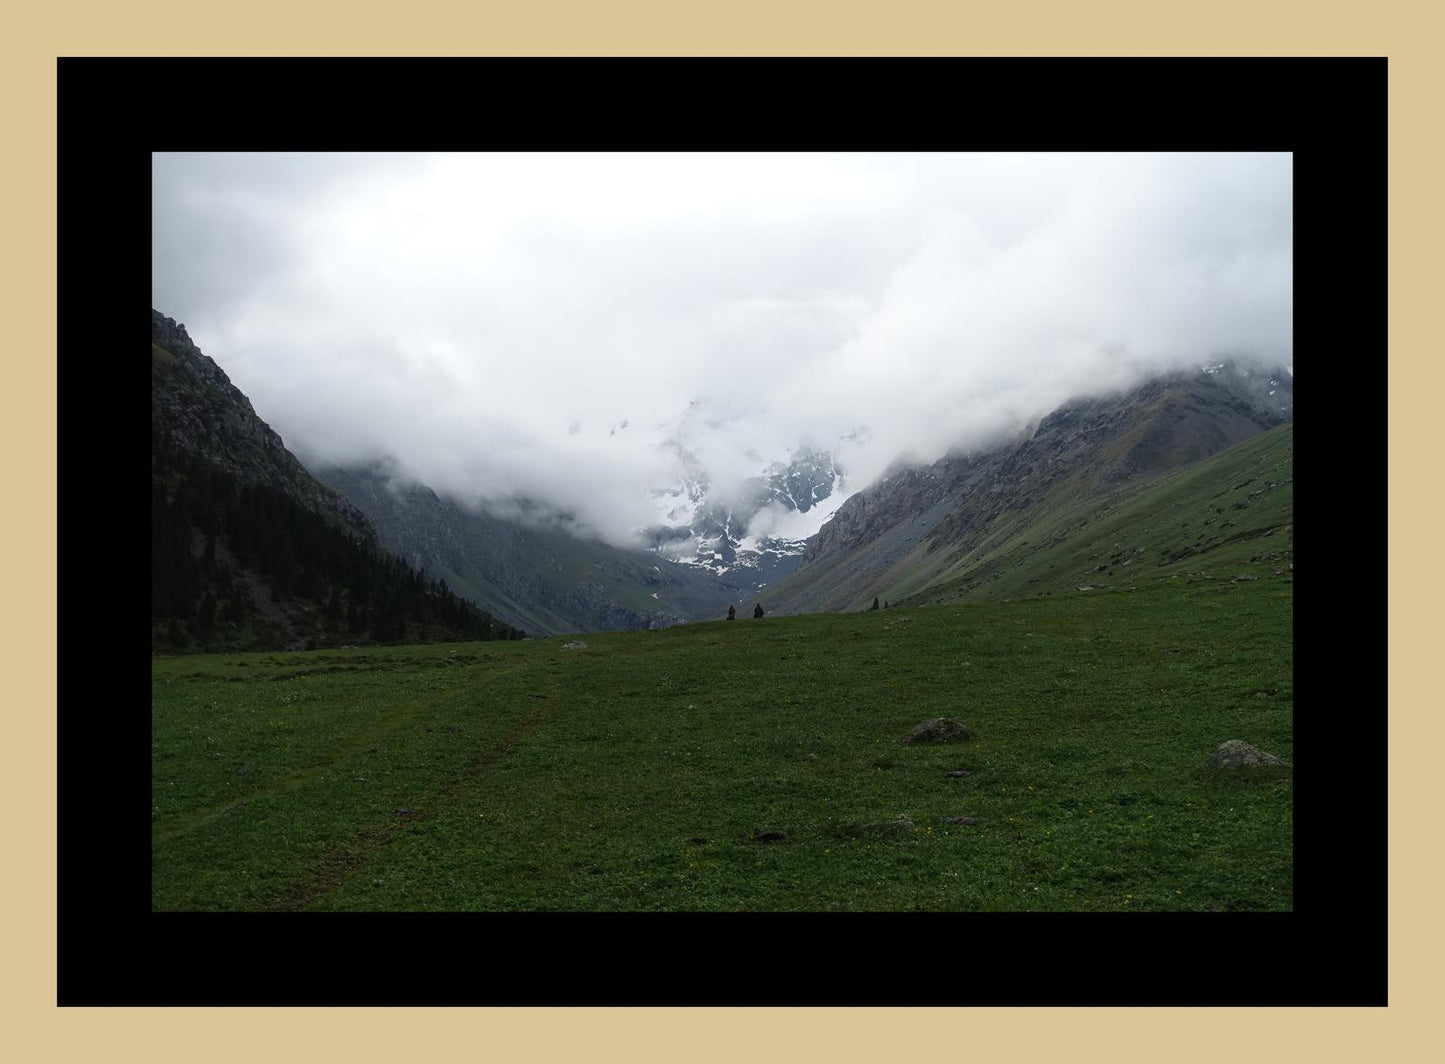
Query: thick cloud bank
{"points": [[578, 329]]}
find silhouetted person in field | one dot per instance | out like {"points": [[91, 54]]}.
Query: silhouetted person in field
{"points": [[732, 613], [758, 610], [875, 604]]}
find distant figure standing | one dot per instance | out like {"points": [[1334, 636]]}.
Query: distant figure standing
{"points": [[758, 610], [875, 604], [732, 613]]}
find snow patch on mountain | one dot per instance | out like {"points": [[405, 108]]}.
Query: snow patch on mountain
{"points": [[776, 525]]}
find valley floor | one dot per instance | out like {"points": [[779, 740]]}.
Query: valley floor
{"points": [[751, 765]]}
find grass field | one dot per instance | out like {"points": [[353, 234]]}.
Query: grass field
{"points": [[752, 765]]}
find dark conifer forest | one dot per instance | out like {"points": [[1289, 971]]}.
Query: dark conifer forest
{"points": [[237, 566]]}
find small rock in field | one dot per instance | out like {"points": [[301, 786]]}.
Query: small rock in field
{"points": [[1237, 753], [576, 644], [938, 730], [958, 773], [769, 836]]}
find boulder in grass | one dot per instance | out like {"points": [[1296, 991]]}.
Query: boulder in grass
{"points": [[1236, 753], [938, 730]]}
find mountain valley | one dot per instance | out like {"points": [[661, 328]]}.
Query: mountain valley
{"points": [[797, 537]]}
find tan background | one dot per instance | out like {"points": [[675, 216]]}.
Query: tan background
{"points": [[35, 1030]]}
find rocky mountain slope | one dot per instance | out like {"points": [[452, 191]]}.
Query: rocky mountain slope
{"points": [[248, 550], [197, 413], [1229, 517], [918, 526]]}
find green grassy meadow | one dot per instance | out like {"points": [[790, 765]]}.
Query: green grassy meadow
{"points": [[638, 773]]}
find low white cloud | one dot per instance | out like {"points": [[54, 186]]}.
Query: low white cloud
{"points": [[565, 328]]}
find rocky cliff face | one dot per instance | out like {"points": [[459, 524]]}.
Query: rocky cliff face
{"points": [[197, 412], [806, 480]]}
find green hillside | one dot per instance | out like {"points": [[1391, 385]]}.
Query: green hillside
{"points": [[753, 765], [1225, 517], [1003, 518]]}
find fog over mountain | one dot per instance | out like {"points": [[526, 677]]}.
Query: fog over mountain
{"points": [[580, 330]]}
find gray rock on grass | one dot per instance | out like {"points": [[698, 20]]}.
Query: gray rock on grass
{"points": [[938, 730], [1236, 753]]}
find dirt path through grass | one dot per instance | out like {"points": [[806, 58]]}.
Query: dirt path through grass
{"points": [[386, 725], [339, 865]]}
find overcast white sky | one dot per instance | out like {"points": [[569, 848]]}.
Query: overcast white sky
{"points": [[491, 321]]}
